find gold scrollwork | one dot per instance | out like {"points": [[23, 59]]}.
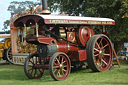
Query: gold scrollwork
{"points": [[72, 37], [24, 47]]}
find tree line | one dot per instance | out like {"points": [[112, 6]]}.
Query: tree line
{"points": [[114, 9]]}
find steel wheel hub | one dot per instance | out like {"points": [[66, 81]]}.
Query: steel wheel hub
{"points": [[61, 66], [101, 52]]}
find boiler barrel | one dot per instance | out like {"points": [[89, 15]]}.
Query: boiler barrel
{"points": [[64, 47], [48, 50]]}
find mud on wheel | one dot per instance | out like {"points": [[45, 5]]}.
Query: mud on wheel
{"points": [[59, 66], [99, 53], [32, 67]]}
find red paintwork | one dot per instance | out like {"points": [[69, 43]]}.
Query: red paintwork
{"points": [[64, 47], [82, 55], [71, 36], [79, 35], [84, 34], [47, 41], [74, 56]]}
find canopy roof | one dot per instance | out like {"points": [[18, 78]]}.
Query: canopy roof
{"points": [[58, 19], [5, 36]]}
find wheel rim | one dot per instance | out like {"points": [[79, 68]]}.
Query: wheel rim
{"points": [[9, 55], [102, 53], [61, 67], [32, 70]]}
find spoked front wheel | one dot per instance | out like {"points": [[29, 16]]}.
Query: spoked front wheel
{"points": [[99, 53], [32, 67], [59, 66]]}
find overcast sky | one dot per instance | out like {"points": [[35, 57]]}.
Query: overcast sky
{"points": [[4, 14]]}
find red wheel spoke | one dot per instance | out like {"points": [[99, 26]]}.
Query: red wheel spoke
{"points": [[56, 66], [96, 50], [100, 63], [65, 66], [30, 69], [29, 65], [104, 58], [62, 60], [59, 57], [58, 73], [55, 63], [62, 72], [98, 45], [55, 70], [104, 62], [101, 42], [58, 61], [96, 54], [107, 54], [106, 45]]}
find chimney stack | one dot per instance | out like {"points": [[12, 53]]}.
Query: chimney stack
{"points": [[45, 7]]}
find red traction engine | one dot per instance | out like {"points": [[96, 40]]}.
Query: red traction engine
{"points": [[64, 42]]}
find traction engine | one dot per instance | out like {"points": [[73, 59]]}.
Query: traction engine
{"points": [[63, 42]]}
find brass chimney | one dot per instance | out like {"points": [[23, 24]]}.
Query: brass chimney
{"points": [[45, 7]]}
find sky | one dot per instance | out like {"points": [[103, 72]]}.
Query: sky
{"points": [[4, 14]]}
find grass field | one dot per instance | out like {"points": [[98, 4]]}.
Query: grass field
{"points": [[14, 75]]}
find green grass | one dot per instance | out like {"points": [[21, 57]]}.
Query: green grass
{"points": [[14, 75]]}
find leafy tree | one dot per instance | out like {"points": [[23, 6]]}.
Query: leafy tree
{"points": [[115, 9], [6, 24], [18, 7]]}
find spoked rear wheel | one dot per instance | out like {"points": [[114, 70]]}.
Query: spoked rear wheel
{"points": [[32, 67], [99, 53], [59, 66]]}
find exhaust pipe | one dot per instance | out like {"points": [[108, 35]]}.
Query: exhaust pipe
{"points": [[45, 7]]}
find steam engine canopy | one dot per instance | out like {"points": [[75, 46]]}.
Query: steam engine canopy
{"points": [[52, 19]]}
